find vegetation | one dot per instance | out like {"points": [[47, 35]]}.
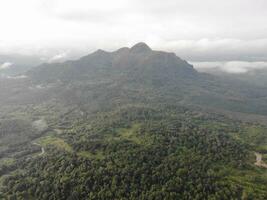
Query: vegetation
{"points": [[154, 156], [133, 125], [56, 142]]}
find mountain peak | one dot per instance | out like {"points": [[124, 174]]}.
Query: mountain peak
{"points": [[100, 51], [140, 47]]}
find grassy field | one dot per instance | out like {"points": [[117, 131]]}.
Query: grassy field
{"points": [[131, 134], [86, 154], [7, 161], [55, 141]]}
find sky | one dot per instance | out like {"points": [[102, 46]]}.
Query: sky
{"points": [[206, 32]]}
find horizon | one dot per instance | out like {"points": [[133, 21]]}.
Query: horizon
{"points": [[206, 32], [229, 67]]}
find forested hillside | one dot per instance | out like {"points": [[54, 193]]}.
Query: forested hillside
{"points": [[130, 124]]}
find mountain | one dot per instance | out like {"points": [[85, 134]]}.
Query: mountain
{"points": [[131, 124], [140, 68], [138, 61]]}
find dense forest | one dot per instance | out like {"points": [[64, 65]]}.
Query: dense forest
{"points": [[114, 126]]}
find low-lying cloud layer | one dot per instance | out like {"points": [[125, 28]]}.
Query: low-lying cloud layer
{"points": [[5, 65], [233, 67], [219, 49]]}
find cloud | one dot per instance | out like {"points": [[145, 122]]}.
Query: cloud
{"points": [[204, 30], [58, 58], [233, 67], [12, 77], [82, 10], [5, 65], [219, 49]]}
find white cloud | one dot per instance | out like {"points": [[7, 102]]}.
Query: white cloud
{"points": [[233, 67], [15, 77], [58, 58], [5, 65], [219, 49], [196, 30]]}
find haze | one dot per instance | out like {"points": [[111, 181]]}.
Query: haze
{"points": [[199, 31]]}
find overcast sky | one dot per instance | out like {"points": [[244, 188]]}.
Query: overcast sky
{"points": [[206, 30]]}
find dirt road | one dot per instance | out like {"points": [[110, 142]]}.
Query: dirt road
{"points": [[259, 161]]}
